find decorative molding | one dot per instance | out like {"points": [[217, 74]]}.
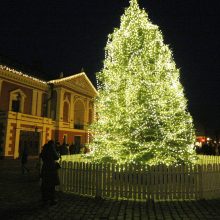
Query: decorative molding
{"points": [[15, 95], [12, 74], [79, 82]]}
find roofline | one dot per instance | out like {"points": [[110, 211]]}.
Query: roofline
{"points": [[58, 81], [55, 81], [3, 67]]}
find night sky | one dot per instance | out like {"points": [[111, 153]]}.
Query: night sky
{"points": [[48, 38]]}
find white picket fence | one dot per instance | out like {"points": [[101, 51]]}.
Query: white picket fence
{"points": [[202, 159], [137, 182], [208, 159]]}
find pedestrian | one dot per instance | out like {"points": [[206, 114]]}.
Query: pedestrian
{"points": [[49, 173], [78, 148], [72, 149], [24, 160], [57, 147], [64, 149]]}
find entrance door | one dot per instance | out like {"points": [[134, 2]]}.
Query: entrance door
{"points": [[30, 140]]}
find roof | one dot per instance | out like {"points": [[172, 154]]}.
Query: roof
{"points": [[79, 81], [12, 74], [21, 74]]}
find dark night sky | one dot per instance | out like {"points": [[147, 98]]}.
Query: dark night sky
{"points": [[63, 36]]}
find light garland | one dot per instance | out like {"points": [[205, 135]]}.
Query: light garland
{"points": [[21, 74], [141, 104]]}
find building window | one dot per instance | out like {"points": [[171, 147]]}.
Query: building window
{"points": [[17, 99], [15, 105], [66, 111], [53, 106], [79, 114]]}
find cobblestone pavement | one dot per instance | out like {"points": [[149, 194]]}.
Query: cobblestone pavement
{"points": [[20, 199]]}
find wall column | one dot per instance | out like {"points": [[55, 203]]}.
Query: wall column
{"points": [[87, 111], [7, 138], [39, 103], [34, 102], [72, 110], [59, 113], [17, 139], [44, 135]]}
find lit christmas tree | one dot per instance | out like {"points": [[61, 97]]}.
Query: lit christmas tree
{"points": [[141, 107]]}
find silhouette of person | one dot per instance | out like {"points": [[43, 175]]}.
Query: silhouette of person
{"points": [[49, 172], [24, 160], [63, 149], [72, 149]]}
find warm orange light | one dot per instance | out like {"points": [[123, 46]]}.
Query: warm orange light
{"points": [[201, 139]]}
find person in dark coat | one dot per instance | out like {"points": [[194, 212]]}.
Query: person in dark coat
{"points": [[49, 172], [57, 147], [64, 149], [24, 160], [72, 149]]}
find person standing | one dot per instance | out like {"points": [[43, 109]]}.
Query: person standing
{"points": [[72, 149], [49, 172], [24, 160], [64, 149]]}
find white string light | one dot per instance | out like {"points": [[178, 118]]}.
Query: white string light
{"points": [[141, 105]]}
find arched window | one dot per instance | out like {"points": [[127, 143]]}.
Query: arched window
{"points": [[79, 112]]}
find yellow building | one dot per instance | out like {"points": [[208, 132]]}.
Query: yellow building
{"points": [[33, 111]]}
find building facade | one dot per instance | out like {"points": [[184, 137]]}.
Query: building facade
{"points": [[33, 111]]}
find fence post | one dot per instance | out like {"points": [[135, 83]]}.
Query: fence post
{"points": [[200, 172], [98, 193], [62, 176]]}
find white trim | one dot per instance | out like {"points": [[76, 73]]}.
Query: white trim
{"points": [[67, 81], [15, 75], [58, 81]]}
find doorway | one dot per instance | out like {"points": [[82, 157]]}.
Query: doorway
{"points": [[31, 141]]}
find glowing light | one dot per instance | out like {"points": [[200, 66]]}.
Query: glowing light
{"points": [[21, 74], [142, 116]]}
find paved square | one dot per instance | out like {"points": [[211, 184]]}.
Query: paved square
{"points": [[20, 199]]}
